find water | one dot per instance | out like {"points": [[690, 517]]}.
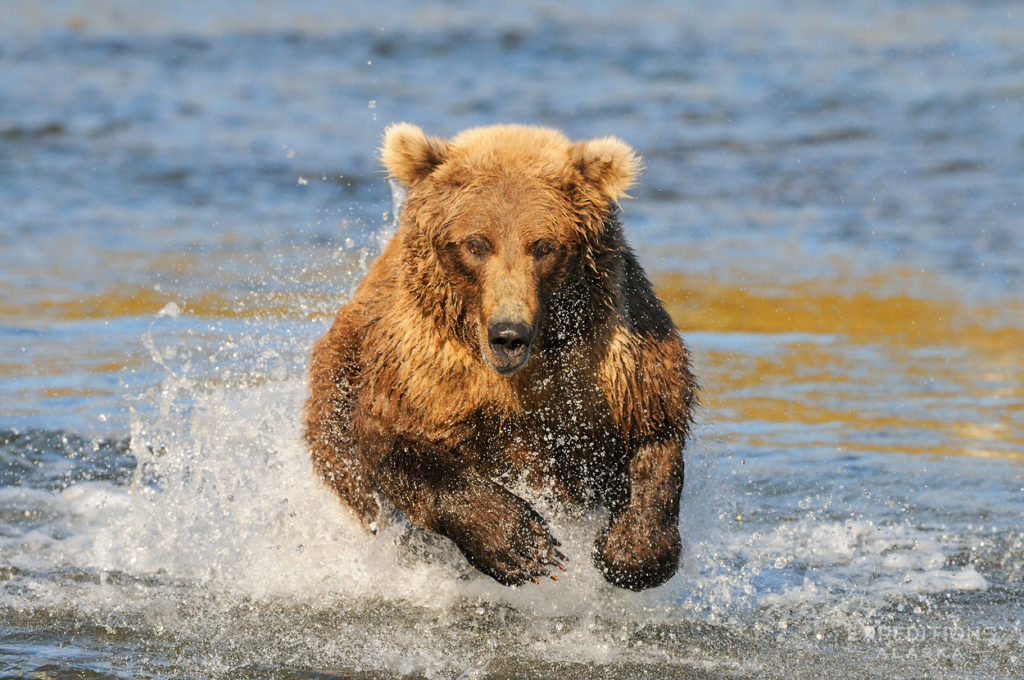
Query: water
{"points": [[831, 210]]}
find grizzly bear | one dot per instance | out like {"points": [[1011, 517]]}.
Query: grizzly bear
{"points": [[507, 338]]}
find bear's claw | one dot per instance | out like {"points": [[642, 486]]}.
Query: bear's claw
{"points": [[505, 538]]}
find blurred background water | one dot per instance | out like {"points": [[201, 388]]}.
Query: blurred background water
{"points": [[831, 209]]}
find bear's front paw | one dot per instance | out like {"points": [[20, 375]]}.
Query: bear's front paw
{"points": [[636, 553], [502, 536]]}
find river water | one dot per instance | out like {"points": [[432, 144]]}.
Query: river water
{"points": [[831, 209]]}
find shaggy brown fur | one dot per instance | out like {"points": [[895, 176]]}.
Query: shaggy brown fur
{"points": [[507, 335]]}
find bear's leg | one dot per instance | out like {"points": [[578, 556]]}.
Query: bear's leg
{"points": [[336, 461], [343, 472], [329, 415], [640, 547], [498, 532]]}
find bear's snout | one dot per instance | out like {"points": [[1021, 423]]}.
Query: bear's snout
{"points": [[510, 344]]}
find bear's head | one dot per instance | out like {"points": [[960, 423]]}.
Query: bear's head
{"points": [[505, 230]]}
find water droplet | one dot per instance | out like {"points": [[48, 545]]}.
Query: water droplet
{"points": [[171, 309]]}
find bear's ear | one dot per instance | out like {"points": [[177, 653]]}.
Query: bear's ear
{"points": [[409, 154], [608, 163]]}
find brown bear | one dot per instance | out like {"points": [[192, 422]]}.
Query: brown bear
{"points": [[507, 337]]}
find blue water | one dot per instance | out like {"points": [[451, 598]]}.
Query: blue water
{"points": [[188, 191]]}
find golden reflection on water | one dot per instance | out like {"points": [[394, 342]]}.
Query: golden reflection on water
{"points": [[125, 301], [869, 371], [805, 308], [886, 373]]}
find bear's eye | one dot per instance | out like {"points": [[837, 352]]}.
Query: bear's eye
{"points": [[542, 248], [476, 247]]}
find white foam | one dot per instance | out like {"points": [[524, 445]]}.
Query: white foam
{"points": [[225, 495], [879, 563]]}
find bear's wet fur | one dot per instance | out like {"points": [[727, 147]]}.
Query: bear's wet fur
{"points": [[507, 335]]}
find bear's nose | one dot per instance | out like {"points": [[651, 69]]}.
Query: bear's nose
{"points": [[510, 344]]}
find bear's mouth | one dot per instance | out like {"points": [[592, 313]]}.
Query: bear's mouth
{"points": [[508, 345]]}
